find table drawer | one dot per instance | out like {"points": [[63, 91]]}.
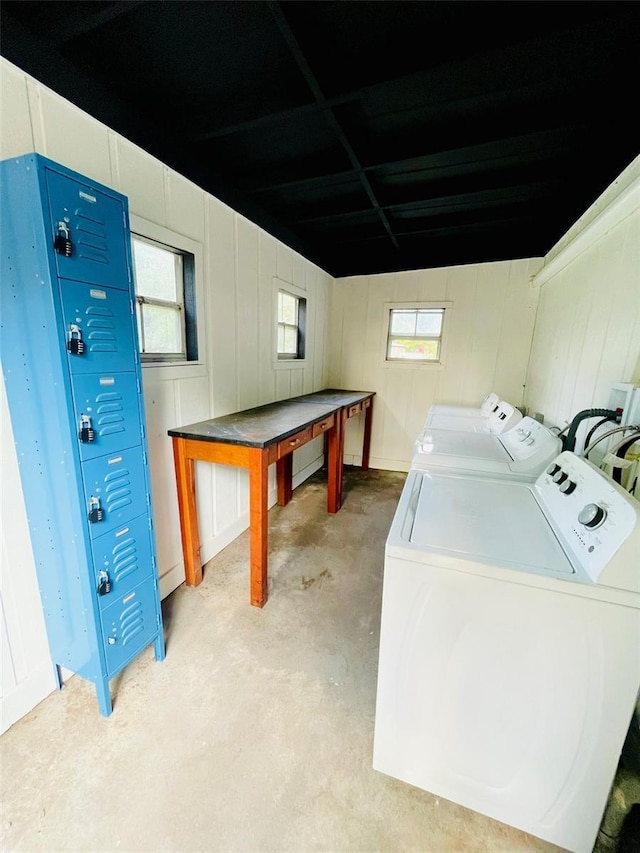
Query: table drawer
{"points": [[354, 410], [323, 425], [288, 445], [366, 404]]}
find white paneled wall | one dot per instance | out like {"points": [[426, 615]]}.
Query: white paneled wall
{"points": [[487, 340], [236, 266], [587, 334]]}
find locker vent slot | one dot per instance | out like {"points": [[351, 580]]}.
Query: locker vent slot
{"points": [[125, 559], [131, 622], [91, 238], [118, 490], [110, 413]]}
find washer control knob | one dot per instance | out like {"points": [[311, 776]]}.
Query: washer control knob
{"points": [[530, 440], [567, 487], [525, 434], [553, 468], [592, 516], [559, 477]]}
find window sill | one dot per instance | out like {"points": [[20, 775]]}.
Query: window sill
{"points": [[171, 370], [412, 365], [289, 363]]}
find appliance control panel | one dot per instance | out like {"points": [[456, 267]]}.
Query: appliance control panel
{"points": [[530, 439], [588, 511], [489, 404], [503, 417]]}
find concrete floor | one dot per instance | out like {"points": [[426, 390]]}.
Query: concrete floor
{"points": [[255, 733]]}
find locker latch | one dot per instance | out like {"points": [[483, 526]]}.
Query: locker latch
{"points": [[87, 432], [62, 242], [96, 513], [75, 344], [104, 583]]}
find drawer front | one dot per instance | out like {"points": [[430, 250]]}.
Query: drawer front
{"points": [[354, 410], [366, 404], [323, 425], [288, 445]]}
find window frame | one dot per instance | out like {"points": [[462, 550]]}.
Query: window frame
{"points": [[290, 360], [414, 363], [193, 299]]}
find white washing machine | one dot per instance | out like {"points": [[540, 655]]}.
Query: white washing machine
{"points": [[502, 417], [483, 410], [521, 453], [510, 645]]}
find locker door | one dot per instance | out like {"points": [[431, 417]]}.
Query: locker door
{"points": [[129, 624], [108, 406], [117, 484], [124, 555], [102, 318], [94, 223]]}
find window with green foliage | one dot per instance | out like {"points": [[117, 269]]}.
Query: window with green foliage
{"points": [[291, 325], [415, 334], [165, 301]]}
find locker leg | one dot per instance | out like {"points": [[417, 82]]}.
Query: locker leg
{"points": [[158, 647], [104, 697]]}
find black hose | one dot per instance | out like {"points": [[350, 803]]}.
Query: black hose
{"points": [[569, 443], [596, 427]]}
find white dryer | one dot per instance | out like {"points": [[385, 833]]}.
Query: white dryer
{"points": [[502, 417], [510, 645], [520, 453]]}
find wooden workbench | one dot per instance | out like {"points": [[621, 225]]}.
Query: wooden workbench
{"points": [[255, 439]]}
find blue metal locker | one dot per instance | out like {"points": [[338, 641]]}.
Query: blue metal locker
{"points": [[72, 372]]}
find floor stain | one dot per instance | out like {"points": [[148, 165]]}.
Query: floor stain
{"points": [[324, 575]]}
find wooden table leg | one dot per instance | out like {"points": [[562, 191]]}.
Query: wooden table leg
{"points": [[284, 476], [187, 507], [258, 526], [334, 464], [366, 444]]}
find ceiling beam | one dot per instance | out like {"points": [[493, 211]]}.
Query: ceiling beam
{"points": [[85, 22], [528, 148], [328, 113], [43, 62]]}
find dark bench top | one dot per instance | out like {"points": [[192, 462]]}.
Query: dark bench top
{"points": [[265, 425], [336, 396]]}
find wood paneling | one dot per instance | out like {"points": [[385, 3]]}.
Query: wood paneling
{"points": [[587, 334], [487, 338]]}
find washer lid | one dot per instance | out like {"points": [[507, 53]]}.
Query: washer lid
{"points": [[492, 522], [471, 445]]}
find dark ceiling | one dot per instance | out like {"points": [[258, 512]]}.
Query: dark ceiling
{"points": [[369, 136]]}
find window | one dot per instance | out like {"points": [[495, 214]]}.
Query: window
{"points": [[415, 334], [291, 325], [165, 301]]}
